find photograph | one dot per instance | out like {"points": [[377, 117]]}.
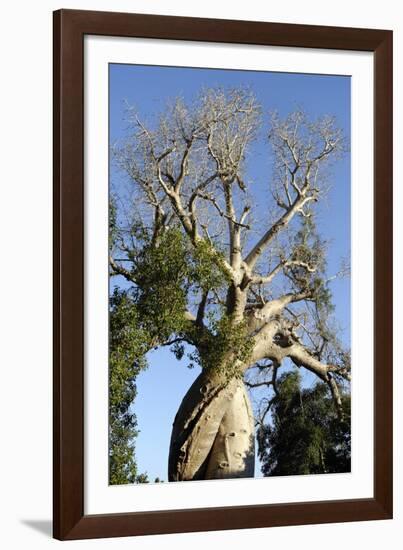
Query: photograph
{"points": [[223, 273], [229, 274]]}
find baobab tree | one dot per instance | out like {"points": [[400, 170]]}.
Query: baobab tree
{"points": [[234, 272]]}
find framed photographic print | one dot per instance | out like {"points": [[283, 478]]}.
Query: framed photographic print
{"points": [[222, 274]]}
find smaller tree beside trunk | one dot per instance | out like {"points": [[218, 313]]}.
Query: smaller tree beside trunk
{"points": [[305, 435]]}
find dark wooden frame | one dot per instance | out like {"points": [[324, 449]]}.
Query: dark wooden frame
{"points": [[70, 26]]}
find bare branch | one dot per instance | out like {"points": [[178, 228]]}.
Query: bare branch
{"points": [[280, 224], [201, 309], [262, 280], [119, 270], [302, 358], [221, 212], [183, 166]]}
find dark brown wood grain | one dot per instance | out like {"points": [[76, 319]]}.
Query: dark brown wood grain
{"points": [[70, 26]]}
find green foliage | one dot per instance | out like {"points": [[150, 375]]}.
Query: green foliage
{"points": [[165, 274], [310, 249], [142, 478], [225, 346], [128, 345], [161, 274], [207, 266], [145, 316], [304, 436], [113, 229]]}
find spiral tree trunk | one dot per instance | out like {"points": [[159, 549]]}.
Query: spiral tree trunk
{"points": [[213, 432]]}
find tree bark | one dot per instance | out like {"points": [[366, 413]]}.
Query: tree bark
{"points": [[233, 451], [213, 431]]}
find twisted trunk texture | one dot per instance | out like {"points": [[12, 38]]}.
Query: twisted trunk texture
{"points": [[213, 432]]}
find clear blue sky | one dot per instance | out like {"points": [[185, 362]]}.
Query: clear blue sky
{"points": [[162, 386]]}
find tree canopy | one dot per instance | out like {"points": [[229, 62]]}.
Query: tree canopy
{"points": [[206, 264]]}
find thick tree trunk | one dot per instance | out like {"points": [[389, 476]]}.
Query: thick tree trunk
{"points": [[213, 432], [233, 451]]}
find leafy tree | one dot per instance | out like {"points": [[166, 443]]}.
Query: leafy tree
{"points": [[184, 241], [305, 435], [128, 344]]}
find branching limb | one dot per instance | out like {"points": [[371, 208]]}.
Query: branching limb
{"points": [[177, 340], [266, 279], [119, 270], [183, 166], [334, 390], [302, 358], [301, 150], [196, 193], [274, 366], [280, 224], [221, 212], [202, 308], [275, 307]]}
